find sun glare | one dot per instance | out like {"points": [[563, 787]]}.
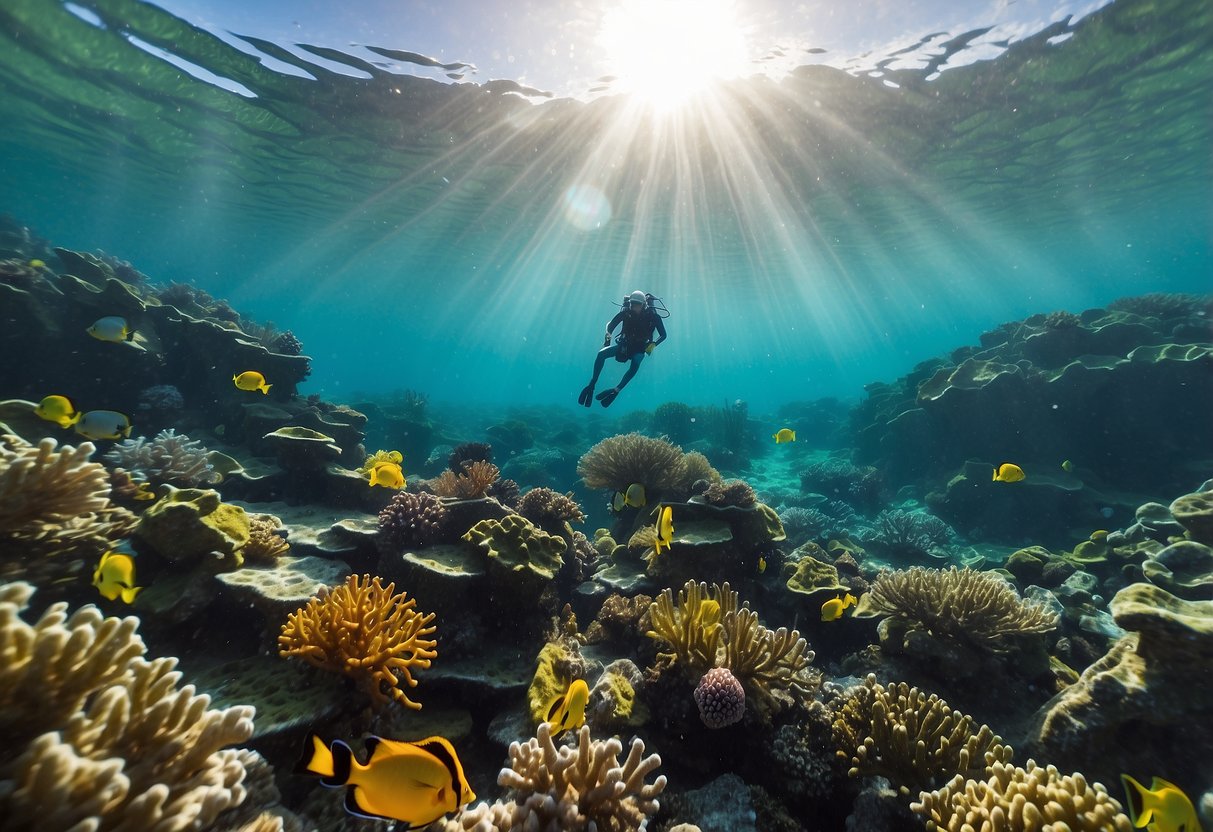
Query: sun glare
{"points": [[666, 51]]}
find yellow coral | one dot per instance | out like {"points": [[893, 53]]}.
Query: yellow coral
{"points": [[365, 631], [766, 660], [693, 628]]}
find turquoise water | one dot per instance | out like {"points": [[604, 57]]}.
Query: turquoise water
{"points": [[809, 235]]}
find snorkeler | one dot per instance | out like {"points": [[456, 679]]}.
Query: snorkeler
{"points": [[640, 315]]}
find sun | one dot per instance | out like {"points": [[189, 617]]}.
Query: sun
{"points": [[664, 52]]}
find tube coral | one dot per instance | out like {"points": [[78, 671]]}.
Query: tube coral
{"points": [[364, 630]]}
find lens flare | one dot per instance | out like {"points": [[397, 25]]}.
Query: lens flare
{"points": [[586, 207]]}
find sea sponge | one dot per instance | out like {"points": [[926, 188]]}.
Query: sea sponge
{"points": [[100, 738], [720, 698], [619, 461], [412, 520], [543, 506], [169, 457], [914, 740], [54, 501], [1029, 799], [473, 483], [364, 630], [958, 604]]}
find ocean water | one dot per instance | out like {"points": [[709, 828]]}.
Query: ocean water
{"points": [[963, 250]]}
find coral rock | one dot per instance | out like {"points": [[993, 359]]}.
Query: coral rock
{"points": [[1195, 513], [187, 524]]}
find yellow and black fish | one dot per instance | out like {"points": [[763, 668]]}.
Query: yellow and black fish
{"points": [[114, 577], [633, 497], [833, 609], [415, 783], [386, 474], [112, 328], [784, 435], [1161, 808], [665, 529], [103, 424], [1008, 472], [251, 380], [57, 409], [568, 710]]}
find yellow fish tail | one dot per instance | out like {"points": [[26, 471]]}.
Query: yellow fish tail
{"points": [[1139, 807], [128, 593], [995, 477], [265, 389], [332, 765]]}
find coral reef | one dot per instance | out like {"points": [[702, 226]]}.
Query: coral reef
{"points": [[54, 501], [913, 739], [472, 482], [910, 534], [619, 461], [412, 520], [364, 630], [265, 546], [674, 421], [859, 486], [101, 738], [730, 493], [1029, 799], [187, 525], [168, 458], [467, 453], [570, 789], [693, 627], [545, 507], [720, 698], [958, 604], [516, 546]]}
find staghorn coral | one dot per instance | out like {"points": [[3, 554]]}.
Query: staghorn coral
{"points": [[363, 630], [581, 787], [264, 545], [54, 501], [412, 520], [959, 604], [618, 461], [473, 483], [169, 458], [730, 493], [912, 739], [545, 507], [1029, 799], [101, 739]]}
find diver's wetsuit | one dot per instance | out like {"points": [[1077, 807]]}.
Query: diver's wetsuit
{"points": [[630, 345]]}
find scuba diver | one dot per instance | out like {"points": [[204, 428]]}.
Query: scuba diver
{"points": [[640, 314]]}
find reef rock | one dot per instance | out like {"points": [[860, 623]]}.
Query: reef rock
{"points": [[1146, 705], [187, 524], [1195, 513]]}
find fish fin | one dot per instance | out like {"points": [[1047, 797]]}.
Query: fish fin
{"points": [[1158, 783], [265, 389], [126, 431], [793, 436], [129, 593], [441, 749], [130, 335], [1137, 795], [995, 477], [354, 808], [234, 379], [554, 708]]}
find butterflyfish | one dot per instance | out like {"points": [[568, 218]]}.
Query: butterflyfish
{"points": [[784, 435], [251, 380], [415, 783], [57, 409], [37, 264], [833, 609], [1008, 472], [386, 474], [112, 328], [1067, 466], [665, 529], [1161, 808], [114, 577], [568, 710], [104, 424], [633, 497]]}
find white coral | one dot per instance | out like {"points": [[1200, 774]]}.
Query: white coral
{"points": [[168, 458]]}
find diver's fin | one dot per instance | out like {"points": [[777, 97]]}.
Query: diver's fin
{"points": [[587, 396], [608, 396]]}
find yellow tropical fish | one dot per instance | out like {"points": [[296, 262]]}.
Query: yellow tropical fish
{"points": [[833, 609], [415, 783], [762, 564], [59, 410], [665, 529], [784, 435], [568, 711], [37, 264], [251, 380], [386, 474], [633, 497], [1099, 536], [1067, 466], [115, 577], [103, 424], [1161, 808], [112, 328], [1008, 472]]}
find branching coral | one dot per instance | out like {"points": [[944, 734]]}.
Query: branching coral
{"points": [[767, 660], [473, 483], [365, 631], [543, 506], [911, 532], [1030, 799], [264, 545], [55, 502], [412, 519], [102, 739], [959, 604], [619, 461], [169, 458], [693, 628], [912, 739]]}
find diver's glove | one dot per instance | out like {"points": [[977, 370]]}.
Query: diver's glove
{"points": [[649, 349]]}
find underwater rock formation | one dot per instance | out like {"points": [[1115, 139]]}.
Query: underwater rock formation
{"points": [[101, 738], [187, 525], [1029, 799], [1146, 704], [366, 631]]}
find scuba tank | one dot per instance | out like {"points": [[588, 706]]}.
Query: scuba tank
{"points": [[655, 303]]}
